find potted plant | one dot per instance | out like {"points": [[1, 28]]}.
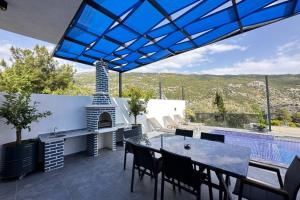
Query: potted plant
{"points": [[19, 157], [137, 105]]}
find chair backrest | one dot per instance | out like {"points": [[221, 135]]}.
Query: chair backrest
{"points": [[213, 137], [143, 157], [178, 167], [292, 179], [183, 132]]}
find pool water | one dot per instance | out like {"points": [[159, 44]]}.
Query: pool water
{"points": [[264, 147]]}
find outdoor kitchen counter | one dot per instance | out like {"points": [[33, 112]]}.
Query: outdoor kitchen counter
{"points": [[54, 144], [48, 137]]}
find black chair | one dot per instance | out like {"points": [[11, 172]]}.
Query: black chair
{"points": [[145, 162], [215, 138], [257, 190], [180, 171], [135, 131], [183, 132]]}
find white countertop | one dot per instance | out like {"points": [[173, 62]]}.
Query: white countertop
{"points": [[106, 130], [47, 137]]}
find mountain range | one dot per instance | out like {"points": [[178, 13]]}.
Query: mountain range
{"points": [[241, 93]]}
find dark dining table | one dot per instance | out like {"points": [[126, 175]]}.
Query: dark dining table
{"points": [[232, 160]]}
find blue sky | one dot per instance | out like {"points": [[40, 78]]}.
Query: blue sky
{"points": [[273, 49]]}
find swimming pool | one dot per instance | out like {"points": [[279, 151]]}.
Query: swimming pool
{"points": [[264, 147]]}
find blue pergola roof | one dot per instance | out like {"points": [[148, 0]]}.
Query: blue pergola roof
{"points": [[128, 34]]}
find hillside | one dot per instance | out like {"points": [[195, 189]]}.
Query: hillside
{"points": [[241, 92]]}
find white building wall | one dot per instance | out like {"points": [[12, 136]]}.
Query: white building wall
{"points": [[68, 113], [158, 109]]}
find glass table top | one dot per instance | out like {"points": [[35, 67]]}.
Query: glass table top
{"points": [[225, 158]]}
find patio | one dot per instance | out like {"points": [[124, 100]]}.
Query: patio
{"points": [[99, 178], [123, 38]]}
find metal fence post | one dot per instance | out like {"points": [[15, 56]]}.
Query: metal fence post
{"points": [[160, 92], [182, 93], [268, 102], [120, 84]]}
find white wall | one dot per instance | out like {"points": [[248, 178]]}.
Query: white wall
{"points": [[68, 113], [158, 109]]}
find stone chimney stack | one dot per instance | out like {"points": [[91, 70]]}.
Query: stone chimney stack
{"points": [[101, 101], [101, 97]]}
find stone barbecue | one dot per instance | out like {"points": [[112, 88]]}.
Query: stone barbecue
{"points": [[101, 115]]}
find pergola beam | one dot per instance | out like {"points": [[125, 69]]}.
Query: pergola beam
{"points": [[119, 20], [293, 9], [106, 38], [236, 12], [169, 18]]}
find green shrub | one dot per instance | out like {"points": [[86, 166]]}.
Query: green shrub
{"points": [[297, 125], [213, 122], [296, 117], [292, 124], [276, 122], [237, 120], [284, 115], [190, 115]]}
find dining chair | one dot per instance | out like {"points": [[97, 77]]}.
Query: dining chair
{"points": [[180, 171], [253, 189], [184, 132], [145, 162], [215, 138], [135, 131]]}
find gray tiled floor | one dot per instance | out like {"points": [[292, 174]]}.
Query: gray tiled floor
{"points": [[89, 178]]}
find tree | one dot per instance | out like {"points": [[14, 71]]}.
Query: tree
{"points": [[137, 105], [144, 94], [190, 115], [16, 109], [35, 71], [261, 121], [219, 103], [296, 117], [284, 115], [3, 63]]}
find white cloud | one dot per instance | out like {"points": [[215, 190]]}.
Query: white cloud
{"points": [[5, 50], [281, 64], [289, 48], [189, 59], [285, 61]]}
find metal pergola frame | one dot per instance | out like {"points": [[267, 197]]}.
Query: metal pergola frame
{"points": [[164, 13]]}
